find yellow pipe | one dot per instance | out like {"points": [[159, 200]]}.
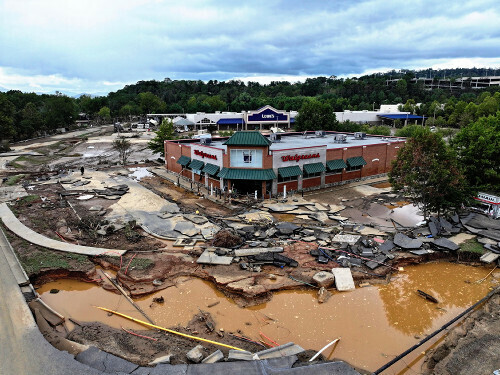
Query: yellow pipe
{"points": [[168, 330]]}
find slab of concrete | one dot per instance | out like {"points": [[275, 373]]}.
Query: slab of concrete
{"points": [[446, 244], [285, 350], [343, 279], [216, 356], [208, 257], [489, 257], [347, 238], [257, 250], [406, 242]]}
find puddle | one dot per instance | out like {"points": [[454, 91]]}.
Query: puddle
{"points": [[376, 323], [139, 173], [382, 185], [408, 216]]}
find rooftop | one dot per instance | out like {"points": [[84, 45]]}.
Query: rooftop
{"points": [[299, 140]]}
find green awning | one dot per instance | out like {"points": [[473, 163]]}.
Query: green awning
{"points": [[211, 169], [356, 161], [333, 165], [183, 160], [314, 168], [247, 174], [292, 171], [196, 165]]}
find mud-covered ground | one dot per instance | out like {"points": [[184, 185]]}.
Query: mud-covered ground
{"points": [[473, 347]]}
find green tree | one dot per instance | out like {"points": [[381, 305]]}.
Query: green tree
{"points": [[164, 133], [31, 122], [7, 112], [427, 171], [150, 103], [124, 148], [478, 149], [59, 112], [314, 115], [104, 114]]}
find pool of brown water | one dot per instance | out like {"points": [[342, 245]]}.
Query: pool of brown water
{"points": [[375, 323]]}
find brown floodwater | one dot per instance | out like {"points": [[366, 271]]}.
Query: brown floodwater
{"points": [[375, 323]]}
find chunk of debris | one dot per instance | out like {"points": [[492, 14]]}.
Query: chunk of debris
{"points": [[257, 250], [347, 238], [225, 238], [489, 257], [239, 355], [163, 359], [284, 350], [422, 252], [285, 227], [323, 295], [444, 243], [209, 257], [195, 355], [386, 246], [324, 279], [376, 262], [181, 242], [319, 216], [280, 207], [216, 356], [406, 242], [343, 279]]}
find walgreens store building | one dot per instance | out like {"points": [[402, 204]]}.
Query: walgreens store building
{"points": [[249, 161]]}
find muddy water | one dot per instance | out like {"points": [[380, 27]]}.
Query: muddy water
{"points": [[376, 323]]}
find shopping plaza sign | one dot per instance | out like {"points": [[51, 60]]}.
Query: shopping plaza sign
{"points": [[297, 157]]}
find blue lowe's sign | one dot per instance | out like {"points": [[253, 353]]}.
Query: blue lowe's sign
{"points": [[268, 115]]}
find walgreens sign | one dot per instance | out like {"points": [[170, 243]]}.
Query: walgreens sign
{"points": [[297, 157], [205, 155]]}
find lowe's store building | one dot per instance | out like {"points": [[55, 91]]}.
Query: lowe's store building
{"points": [[249, 161]]}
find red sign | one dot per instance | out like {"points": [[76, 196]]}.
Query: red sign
{"points": [[205, 155], [299, 157]]}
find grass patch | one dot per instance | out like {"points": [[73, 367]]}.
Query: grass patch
{"points": [[12, 180], [29, 199], [37, 260], [472, 246], [141, 264]]}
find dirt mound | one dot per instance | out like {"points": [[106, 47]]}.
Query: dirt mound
{"points": [[225, 238]]}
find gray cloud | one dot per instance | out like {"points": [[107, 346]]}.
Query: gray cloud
{"points": [[94, 41]]}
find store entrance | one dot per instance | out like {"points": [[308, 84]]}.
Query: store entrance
{"points": [[247, 187]]}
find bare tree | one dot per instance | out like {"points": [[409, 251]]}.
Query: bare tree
{"points": [[123, 147]]}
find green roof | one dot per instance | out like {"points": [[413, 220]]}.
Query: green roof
{"points": [[314, 168], [356, 161], [292, 171], [184, 160], [333, 165], [211, 169], [247, 138], [196, 165], [247, 174]]}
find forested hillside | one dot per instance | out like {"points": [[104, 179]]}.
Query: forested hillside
{"points": [[25, 115]]}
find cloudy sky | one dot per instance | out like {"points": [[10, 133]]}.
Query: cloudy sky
{"points": [[97, 46]]}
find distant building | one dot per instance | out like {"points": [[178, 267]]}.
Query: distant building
{"points": [[387, 113], [250, 162], [262, 119]]}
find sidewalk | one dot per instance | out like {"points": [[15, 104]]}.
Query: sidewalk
{"points": [[29, 235], [23, 349]]}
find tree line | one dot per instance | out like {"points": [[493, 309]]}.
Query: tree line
{"points": [[25, 115]]}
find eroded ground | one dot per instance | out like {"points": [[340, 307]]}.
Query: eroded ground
{"points": [[152, 213]]}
